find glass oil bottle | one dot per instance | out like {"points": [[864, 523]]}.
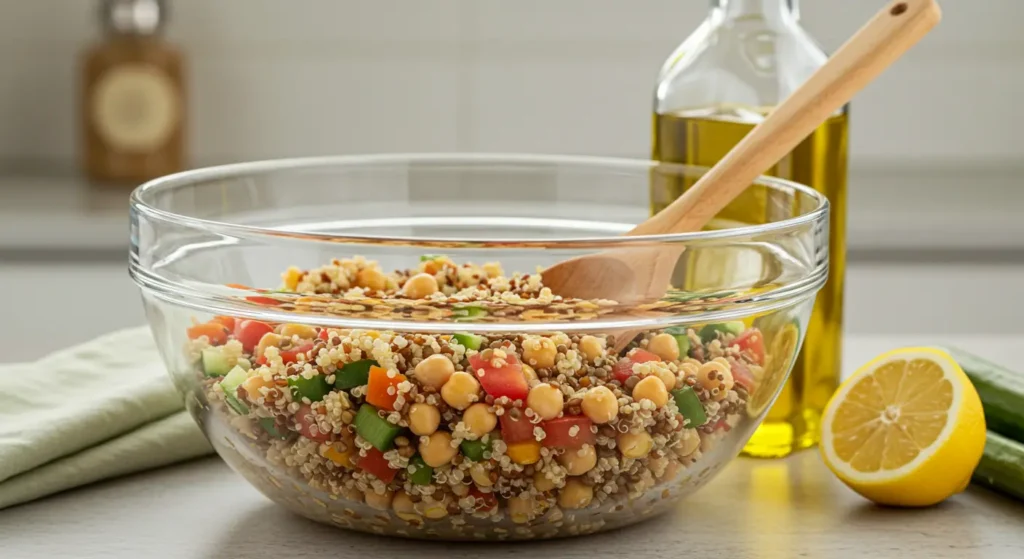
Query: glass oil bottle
{"points": [[744, 58]]}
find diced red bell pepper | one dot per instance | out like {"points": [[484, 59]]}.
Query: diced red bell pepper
{"points": [[484, 501], [249, 333], [751, 342], [292, 355], [623, 369], [508, 380], [568, 432], [741, 374], [516, 427], [260, 300], [307, 425], [375, 463]]}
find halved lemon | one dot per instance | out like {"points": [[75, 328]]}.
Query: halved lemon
{"points": [[906, 429]]}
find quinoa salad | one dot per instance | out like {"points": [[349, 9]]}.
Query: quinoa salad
{"points": [[469, 435]]}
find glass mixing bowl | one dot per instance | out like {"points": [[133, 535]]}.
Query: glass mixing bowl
{"points": [[367, 340]]}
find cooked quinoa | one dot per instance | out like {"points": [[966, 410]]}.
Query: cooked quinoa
{"points": [[442, 432]]}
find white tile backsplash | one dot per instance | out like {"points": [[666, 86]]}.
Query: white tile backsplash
{"points": [[270, 78]]}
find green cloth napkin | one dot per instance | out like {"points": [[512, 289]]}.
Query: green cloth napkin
{"points": [[102, 409]]}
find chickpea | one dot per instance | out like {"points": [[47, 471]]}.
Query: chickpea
{"points": [[461, 390], [437, 450], [371, 278], [301, 330], [634, 444], [434, 370], [592, 348], [600, 405], [539, 352], [480, 475], [716, 377], [521, 508], [424, 419], [666, 376], [664, 346], [420, 286], [433, 508], [492, 269], [479, 420], [575, 494], [352, 494], [378, 501], [579, 461], [545, 400], [460, 490], [404, 507], [541, 482], [269, 339], [530, 374], [651, 388], [253, 386], [691, 441]]}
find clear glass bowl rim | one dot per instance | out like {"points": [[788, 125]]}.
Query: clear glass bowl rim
{"points": [[138, 200]]}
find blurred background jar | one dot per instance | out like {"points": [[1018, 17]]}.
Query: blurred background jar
{"points": [[742, 60], [132, 106]]}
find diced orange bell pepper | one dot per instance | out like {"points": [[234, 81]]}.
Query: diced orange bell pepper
{"points": [[377, 389], [216, 332]]}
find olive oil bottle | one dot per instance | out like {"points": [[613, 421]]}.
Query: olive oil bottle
{"points": [[719, 83]]}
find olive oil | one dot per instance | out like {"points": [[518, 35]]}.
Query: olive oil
{"points": [[702, 137]]}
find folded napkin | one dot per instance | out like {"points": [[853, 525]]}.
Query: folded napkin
{"points": [[95, 411]]}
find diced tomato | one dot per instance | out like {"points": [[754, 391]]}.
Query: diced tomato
{"points": [[307, 425], [741, 374], [292, 355], [260, 300], [249, 333], [216, 332], [261, 360], [508, 380], [752, 343], [227, 321], [516, 427], [623, 369], [723, 425], [568, 432], [375, 463], [322, 334], [484, 501], [378, 385]]}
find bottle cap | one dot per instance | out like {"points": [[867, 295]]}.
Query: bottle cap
{"points": [[133, 17]]}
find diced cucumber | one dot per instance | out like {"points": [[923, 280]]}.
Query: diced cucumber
{"points": [[689, 405], [422, 473], [1000, 389], [270, 426], [377, 431], [314, 388], [236, 404], [429, 257], [710, 332], [468, 312], [1002, 466], [215, 363], [474, 450], [356, 373], [469, 341], [229, 384]]}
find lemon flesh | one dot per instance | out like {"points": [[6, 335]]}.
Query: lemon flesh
{"points": [[907, 429]]}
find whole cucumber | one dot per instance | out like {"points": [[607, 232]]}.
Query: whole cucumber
{"points": [[1002, 466], [1000, 389]]}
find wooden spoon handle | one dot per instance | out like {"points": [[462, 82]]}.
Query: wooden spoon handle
{"points": [[877, 44]]}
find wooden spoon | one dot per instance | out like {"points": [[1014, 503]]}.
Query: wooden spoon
{"points": [[644, 273]]}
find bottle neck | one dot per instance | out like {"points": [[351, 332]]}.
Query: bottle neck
{"points": [[787, 10]]}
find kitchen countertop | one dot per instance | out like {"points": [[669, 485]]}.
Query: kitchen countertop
{"points": [[756, 508]]}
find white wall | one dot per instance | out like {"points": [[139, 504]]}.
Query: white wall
{"points": [[274, 78]]}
